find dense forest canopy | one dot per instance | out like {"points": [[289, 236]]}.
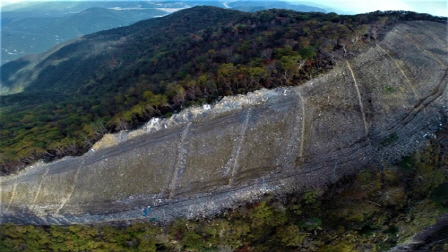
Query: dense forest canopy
{"points": [[118, 79]]}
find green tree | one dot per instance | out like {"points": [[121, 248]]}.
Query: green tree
{"points": [[289, 235], [291, 66], [256, 74]]}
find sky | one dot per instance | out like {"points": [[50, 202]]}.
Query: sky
{"points": [[434, 7]]}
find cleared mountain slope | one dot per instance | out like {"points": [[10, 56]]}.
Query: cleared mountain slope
{"points": [[381, 105], [119, 79]]}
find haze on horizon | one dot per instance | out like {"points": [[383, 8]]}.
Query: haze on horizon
{"points": [[433, 7]]}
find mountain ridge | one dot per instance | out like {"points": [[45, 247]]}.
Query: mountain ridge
{"points": [[35, 27], [118, 79]]}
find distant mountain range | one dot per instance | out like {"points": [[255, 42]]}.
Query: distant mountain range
{"points": [[34, 27], [252, 6]]}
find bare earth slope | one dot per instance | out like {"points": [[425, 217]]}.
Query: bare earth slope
{"points": [[379, 106]]}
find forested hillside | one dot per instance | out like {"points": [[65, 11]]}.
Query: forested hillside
{"points": [[30, 27], [117, 79]]}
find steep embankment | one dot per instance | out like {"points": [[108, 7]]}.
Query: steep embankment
{"points": [[379, 106]]}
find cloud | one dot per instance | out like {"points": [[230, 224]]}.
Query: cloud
{"points": [[9, 2]]}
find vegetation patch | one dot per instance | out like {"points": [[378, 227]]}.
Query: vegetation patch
{"points": [[388, 89], [392, 138]]}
